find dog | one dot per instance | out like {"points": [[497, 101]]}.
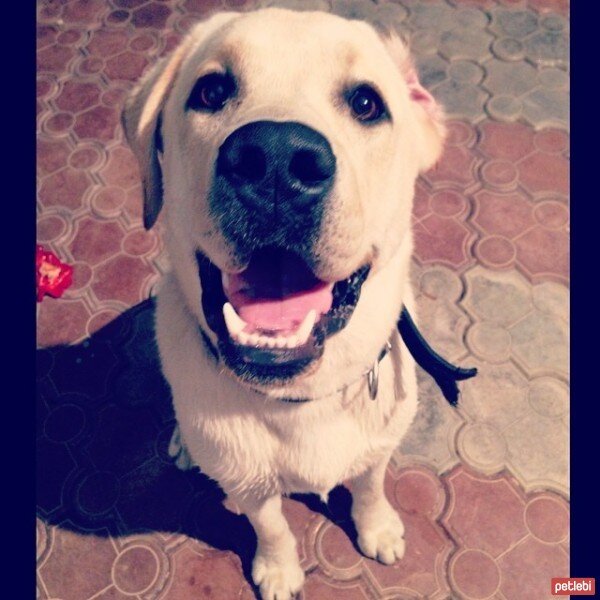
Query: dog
{"points": [[285, 148]]}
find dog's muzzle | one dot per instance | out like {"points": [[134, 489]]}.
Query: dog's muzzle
{"points": [[271, 183]]}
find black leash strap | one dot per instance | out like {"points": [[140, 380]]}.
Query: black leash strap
{"points": [[445, 374]]}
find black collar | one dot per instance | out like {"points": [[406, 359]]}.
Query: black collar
{"points": [[445, 374]]}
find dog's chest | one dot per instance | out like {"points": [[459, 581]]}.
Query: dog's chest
{"points": [[302, 448], [319, 454]]}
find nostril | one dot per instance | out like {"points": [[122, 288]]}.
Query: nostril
{"points": [[249, 164], [310, 167]]}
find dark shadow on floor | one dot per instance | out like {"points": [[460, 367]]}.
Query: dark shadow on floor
{"points": [[104, 423]]}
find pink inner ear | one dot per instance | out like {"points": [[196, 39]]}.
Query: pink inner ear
{"points": [[419, 94]]}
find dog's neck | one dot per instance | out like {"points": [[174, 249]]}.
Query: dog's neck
{"points": [[370, 376], [445, 374]]}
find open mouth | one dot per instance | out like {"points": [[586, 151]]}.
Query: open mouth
{"points": [[272, 319]]}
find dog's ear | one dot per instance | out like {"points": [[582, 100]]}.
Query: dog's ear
{"points": [[429, 113], [141, 116], [141, 123]]}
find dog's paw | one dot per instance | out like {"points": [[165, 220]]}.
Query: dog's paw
{"points": [[381, 536], [178, 451], [277, 579]]}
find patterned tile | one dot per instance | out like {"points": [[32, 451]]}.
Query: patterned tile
{"points": [[491, 221], [518, 329], [539, 452], [534, 562], [84, 562]]}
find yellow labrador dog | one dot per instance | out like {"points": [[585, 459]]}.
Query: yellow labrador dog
{"points": [[285, 147]]}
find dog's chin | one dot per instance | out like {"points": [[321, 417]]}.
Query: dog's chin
{"points": [[273, 320]]}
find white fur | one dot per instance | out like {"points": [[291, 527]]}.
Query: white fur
{"points": [[255, 445]]}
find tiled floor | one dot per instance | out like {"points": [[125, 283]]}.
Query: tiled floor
{"points": [[482, 489]]}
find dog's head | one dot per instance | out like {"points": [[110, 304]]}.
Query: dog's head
{"points": [[285, 147]]}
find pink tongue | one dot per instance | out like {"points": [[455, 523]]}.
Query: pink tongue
{"points": [[277, 291]]}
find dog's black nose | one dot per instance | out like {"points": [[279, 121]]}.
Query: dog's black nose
{"points": [[274, 165]]}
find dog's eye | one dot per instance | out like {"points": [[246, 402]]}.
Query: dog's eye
{"points": [[211, 92], [366, 104]]}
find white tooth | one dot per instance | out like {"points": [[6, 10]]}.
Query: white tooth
{"points": [[242, 338], [263, 341], [235, 324], [280, 341], [304, 330], [271, 342], [253, 339], [292, 341]]}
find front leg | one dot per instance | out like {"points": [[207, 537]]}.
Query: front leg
{"points": [[276, 567], [380, 529]]}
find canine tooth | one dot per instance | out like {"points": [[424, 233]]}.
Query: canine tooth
{"points": [[235, 324], [304, 330], [225, 280], [292, 341]]}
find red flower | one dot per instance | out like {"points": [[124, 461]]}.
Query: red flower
{"points": [[52, 277]]}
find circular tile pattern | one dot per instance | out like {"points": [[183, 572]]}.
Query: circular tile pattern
{"points": [[508, 49], [496, 251], [142, 43], [490, 342], [135, 570], [459, 133], [438, 282], [50, 228], [448, 203], [504, 108], [45, 87], [501, 174], [464, 71], [59, 123], [85, 158], [547, 519], [549, 397], [483, 447], [91, 65], [471, 17], [335, 550], [139, 242], [64, 423], [108, 202], [475, 574], [551, 214], [98, 493], [418, 493]]}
